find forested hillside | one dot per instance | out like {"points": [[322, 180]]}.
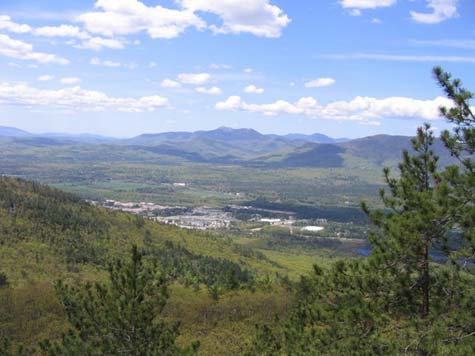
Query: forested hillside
{"points": [[47, 235]]}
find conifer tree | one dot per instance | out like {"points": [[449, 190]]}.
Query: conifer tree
{"points": [[414, 222], [121, 317], [400, 300], [461, 144]]}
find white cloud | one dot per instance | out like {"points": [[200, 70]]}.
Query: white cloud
{"points": [[258, 17], [97, 43], [113, 17], [152, 64], [441, 10], [99, 62], [67, 31], [88, 42], [132, 16], [60, 31], [320, 83], [248, 70], [210, 91], [366, 4], [252, 89], [399, 57], [7, 24], [76, 99], [70, 80], [45, 31], [24, 51], [168, 83], [45, 78], [365, 110], [194, 78]]}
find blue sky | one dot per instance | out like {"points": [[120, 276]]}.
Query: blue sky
{"points": [[346, 68]]}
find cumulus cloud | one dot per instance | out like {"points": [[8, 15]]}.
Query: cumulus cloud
{"points": [[366, 4], [7, 24], [252, 89], [87, 41], [132, 16], [45, 78], [194, 78], [70, 80], [210, 91], [97, 43], [76, 99], [104, 63], [112, 17], [168, 83], [441, 10], [66, 31], [258, 17], [320, 82], [24, 51], [365, 110], [60, 31]]}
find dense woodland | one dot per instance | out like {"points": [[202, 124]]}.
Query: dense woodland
{"points": [[76, 279], [48, 235]]}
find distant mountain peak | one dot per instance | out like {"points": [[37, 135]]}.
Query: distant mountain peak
{"points": [[232, 129], [316, 138], [230, 133]]}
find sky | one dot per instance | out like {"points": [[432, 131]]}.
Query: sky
{"points": [[345, 68]]}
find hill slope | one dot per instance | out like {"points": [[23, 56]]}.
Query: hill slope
{"points": [[46, 234], [79, 233]]}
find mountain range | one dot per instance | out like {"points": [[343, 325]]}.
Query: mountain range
{"points": [[221, 133], [231, 146]]}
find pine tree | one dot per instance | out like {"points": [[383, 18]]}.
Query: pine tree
{"points": [[415, 221], [461, 144], [400, 300], [121, 317]]}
